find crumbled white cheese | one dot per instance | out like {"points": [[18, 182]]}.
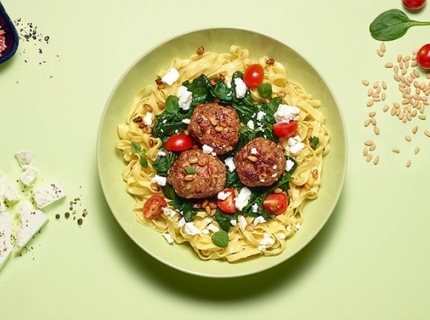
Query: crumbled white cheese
{"points": [[229, 162], [168, 237], [147, 119], [170, 77], [185, 98], [290, 165], [10, 193], [250, 124], [161, 181], [288, 228], [295, 145], [298, 225], [207, 149], [233, 222], [254, 151], [242, 199], [181, 222], [282, 236], [31, 221], [286, 113], [259, 219], [169, 211], [25, 158], [240, 88], [260, 115], [265, 242], [161, 153], [213, 228], [28, 176], [222, 195], [49, 194], [242, 222], [6, 230], [191, 229], [254, 208], [186, 121]]}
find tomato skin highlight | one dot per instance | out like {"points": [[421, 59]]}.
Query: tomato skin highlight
{"points": [[227, 205], [179, 142], [423, 56], [276, 203], [153, 207], [253, 75], [414, 4], [285, 129]]}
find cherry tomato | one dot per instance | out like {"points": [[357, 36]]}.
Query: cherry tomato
{"points": [[227, 205], [179, 142], [253, 76], [285, 129], [414, 4], [275, 203], [423, 56], [153, 207]]}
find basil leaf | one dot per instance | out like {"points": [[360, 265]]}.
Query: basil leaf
{"points": [[392, 24], [135, 147], [223, 219], [172, 104], [265, 90], [314, 142], [190, 170], [220, 239], [143, 162]]}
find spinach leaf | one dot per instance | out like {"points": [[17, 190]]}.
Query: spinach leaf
{"points": [[184, 206], [223, 219], [162, 164], [137, 149], [314, 142], [392, 24]]}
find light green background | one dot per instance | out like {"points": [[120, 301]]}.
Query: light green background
{"points": [[369, 262]]}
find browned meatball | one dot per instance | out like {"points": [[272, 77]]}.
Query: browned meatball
{"points": [[216, 126], [261, 162], [208, 179]]}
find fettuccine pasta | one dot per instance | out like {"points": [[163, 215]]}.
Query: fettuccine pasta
{"points": [[248, 236]]}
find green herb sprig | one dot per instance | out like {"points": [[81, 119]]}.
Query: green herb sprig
{"points": [[392, 24], [137, 149]]}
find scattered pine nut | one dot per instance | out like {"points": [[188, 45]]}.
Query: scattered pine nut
{"points": [[376, 130], [365, 151], [417, 149], [370, 142], [427, 132], [396, 150], [408, 163], [367, 122], [386, 108], [372, 147], [389, 65], [370, 103], [408, 138], [369, 157], [414, 129], [380, 52], [372, 114], [365, 82], [376, 160], [383, 47]]}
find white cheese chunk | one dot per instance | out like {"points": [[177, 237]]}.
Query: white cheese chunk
{"points": [[171, 76], [229, 162], [168, 237], [31, 221], [49, 194], [240, 88], [6, 229], [185, 98], [169, 211], [161, 181], [250, 124], [207, 149], [242, 222], [191, 229], [147, 119], [290, 165], [11, 194], [222, 195], [265, 242], [29, 176], [286, 113], [243, 198], [259, 219], [25, 158]]}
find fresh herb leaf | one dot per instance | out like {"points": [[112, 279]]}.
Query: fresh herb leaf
{"points": [[265, 90], [172, 104], [220, 239], [223, 219], [392, 24], [190, 170], [137, 149], [314, 142], [163, 163]]}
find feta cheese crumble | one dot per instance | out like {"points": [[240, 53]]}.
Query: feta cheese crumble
{"points": [[286, 113], [242, 222], [168, 237], [171, 76], [259, 219], [240, 88], [147, 119], [191, 229], [28, 176], [295, 146], [229, 162], [31, 221], [185, 98], [25, 158], [265, 242], [242, 199], [48, 194], [207, 149], [290, 165], [6, 229], [222, 195], [161, 181]]}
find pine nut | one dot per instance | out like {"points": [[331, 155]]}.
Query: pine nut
{"points": [[376, 160], [427, 132], [365, 82], [408, 163], [370, 142], [396, 150], [408, 138], [416, 150], [365, 151], [376, 130]]}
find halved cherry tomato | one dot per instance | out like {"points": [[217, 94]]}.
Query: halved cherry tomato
{"points": [[414, 4], [253, 76], [423, 56], [285, 129], [153, 207], [276, 203], [227, 205], [179, 142]]}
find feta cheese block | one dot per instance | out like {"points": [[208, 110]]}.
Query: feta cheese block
{"points": [[6, 229], [31, 221], [48, 194], [25, 158]]}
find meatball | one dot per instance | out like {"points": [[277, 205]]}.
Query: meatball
{"points": [[196, 175], [261, 162], [216, 126]]}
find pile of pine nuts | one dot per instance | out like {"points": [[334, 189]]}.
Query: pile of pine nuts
{"points": [[414, 99]]}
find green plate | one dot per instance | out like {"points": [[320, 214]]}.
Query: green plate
{"points": [[144, 71]]}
